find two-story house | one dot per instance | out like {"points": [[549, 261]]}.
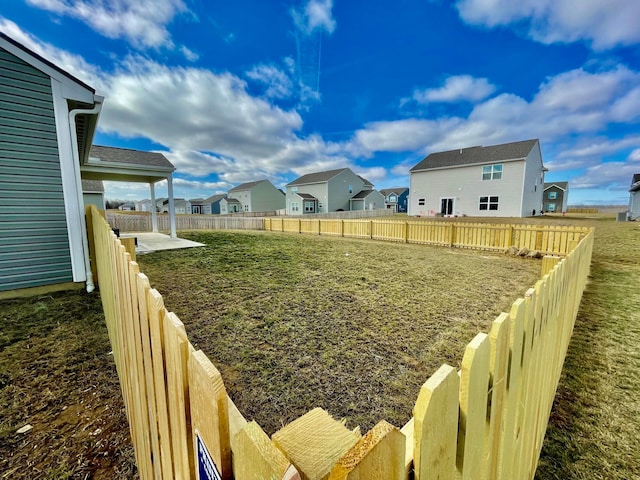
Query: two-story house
{"points": [[504, 180], [259, 196], [556, 195], [396, 199], [329, 191], [211, 205]]}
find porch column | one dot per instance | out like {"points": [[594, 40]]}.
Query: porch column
{"points": [[172, 210], [154, 215]]}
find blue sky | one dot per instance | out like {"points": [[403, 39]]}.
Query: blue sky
{"points": [[238, 91]]}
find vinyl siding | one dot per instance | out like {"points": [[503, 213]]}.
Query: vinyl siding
{"points": [[34, 245], [465, 186]]}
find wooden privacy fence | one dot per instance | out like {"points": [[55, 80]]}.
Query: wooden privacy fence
{"points": [[486, 421], [142, 223], [547, 239]]}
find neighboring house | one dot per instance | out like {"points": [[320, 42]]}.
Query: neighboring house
{"points": [[48, 119], [634, 198], [366, 200], [211, 205], [182, 206], [556, 195], [396, 198], [230, 205], [197, 205], [323, 192], [500, 180], [143, 205], [260, 196], [127, 207], [93, 193]]}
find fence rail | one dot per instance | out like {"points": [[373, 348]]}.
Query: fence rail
{"points": [[547, 239], [487, 420], [142, 223]]}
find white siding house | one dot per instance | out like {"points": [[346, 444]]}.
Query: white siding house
{"points": [[496, 181], [634, 198]]}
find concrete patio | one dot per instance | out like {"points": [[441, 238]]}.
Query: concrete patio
{"points": [[149, 242]]}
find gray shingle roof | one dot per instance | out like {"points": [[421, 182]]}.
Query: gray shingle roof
{"points": [[317, 177], [362, 194], [133, 157], [92, 186], [246, 186], [398, 191], [232, 200], [306, 196], [562, 185], [215, 198], [476, 155]]}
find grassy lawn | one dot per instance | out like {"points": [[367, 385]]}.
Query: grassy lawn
{"points": [[274, 327], [356, 327]]}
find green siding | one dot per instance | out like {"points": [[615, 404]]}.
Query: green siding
{"points": [[34, 245]]}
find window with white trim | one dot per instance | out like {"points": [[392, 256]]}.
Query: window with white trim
{"points": [[309, 207], [492, 172], [552, 195], [295, 207], [551, 207], [422, 201], [488, 203]]}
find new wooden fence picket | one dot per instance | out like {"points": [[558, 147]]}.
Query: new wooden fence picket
{"points": [[486, 421]]}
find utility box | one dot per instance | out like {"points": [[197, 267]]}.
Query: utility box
{"points": [[623, 216]]}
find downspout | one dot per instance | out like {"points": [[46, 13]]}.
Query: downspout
{"points": [[76, 158]]}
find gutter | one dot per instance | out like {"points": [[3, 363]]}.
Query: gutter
{"points": [[97, 108]]}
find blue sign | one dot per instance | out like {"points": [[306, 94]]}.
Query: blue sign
{"points": [[206, 467]]}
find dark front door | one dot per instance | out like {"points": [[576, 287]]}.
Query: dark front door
{"points": [[446, 206]]}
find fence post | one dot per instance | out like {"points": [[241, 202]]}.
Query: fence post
{"points": [[511, 236], [371, 229], [299, 225], [342, 228], [452, 235]]}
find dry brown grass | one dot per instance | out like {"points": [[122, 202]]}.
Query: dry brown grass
{"points": [[356, 327]]}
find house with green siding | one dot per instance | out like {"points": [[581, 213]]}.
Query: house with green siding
{"points": [[47, 122]]}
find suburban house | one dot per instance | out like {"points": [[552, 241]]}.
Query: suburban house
{"points": [[127, 207], [497, 181], [196, 205], [366, 200], [93, 193], [211, 205], [556, 195], [47, 122], [329, 191], [260, 196], [143, 205], [396, 198], [634, 198]]}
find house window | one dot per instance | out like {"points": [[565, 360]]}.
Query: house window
{"points": [[308, 207], [294, 189], [551, 207], [488, 203], [552, 195], [295, 207], [246, 208], [422, 201], [350, 188], [492, 172], [393, 198]]}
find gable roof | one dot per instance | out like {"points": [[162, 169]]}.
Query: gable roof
{"points": [[131, 157], [231, 200], [317, 177], [367, 183], [362, 194], [476, 155], [305, 196], [48, 63], [561, 185], [215, 198], [247, 186], [398, 191]]}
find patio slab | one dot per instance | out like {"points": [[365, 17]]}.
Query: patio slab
{"points": [[149, 242]]}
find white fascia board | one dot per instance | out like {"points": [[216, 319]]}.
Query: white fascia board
{"points": [[554, 185], [69, 89], [68, 167]]}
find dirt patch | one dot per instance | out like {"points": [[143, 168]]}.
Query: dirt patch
{"points": [[56, 375]]}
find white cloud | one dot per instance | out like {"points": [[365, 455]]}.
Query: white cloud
{"points": [[276, 82], [141, 22], [456, 88], [610, 175], [189, 54], [315, 15], [603, 23], [635, 155]]}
